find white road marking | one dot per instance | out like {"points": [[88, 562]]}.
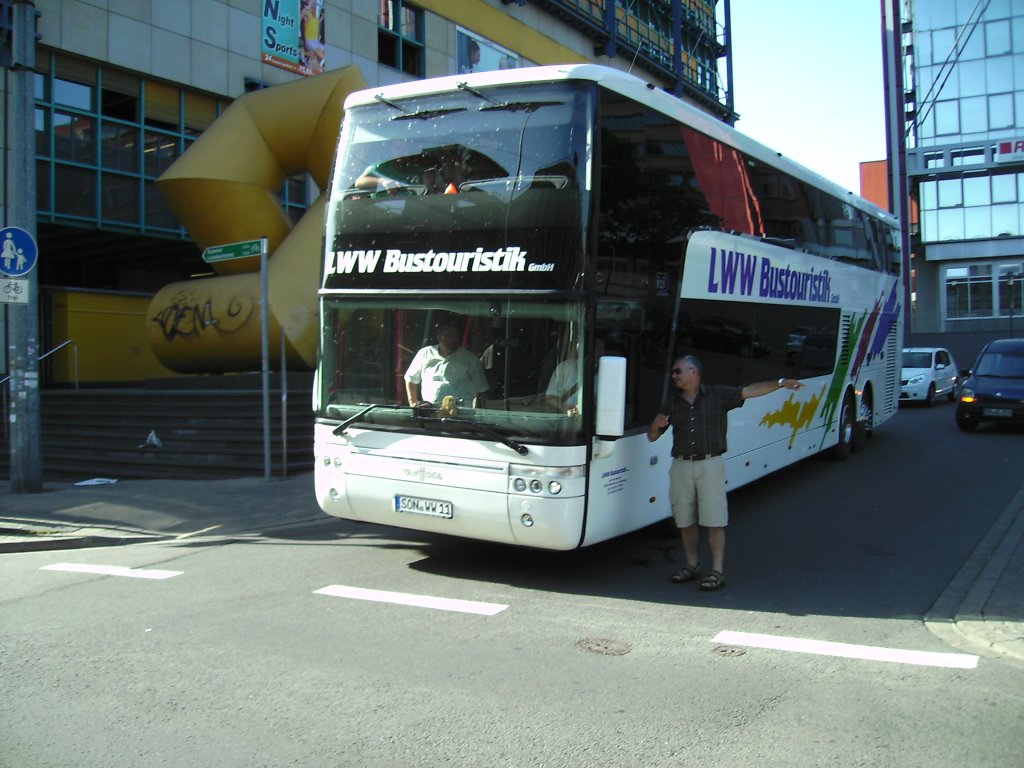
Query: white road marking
{"points": [[112, 570], [196, 533], [846, 650], [419, 601]]}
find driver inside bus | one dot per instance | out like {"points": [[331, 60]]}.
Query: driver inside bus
{"points": [[562, 392], [433, 171], [444, 369]]}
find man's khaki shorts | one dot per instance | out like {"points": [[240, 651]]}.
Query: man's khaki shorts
{"points": [[697, 492]]}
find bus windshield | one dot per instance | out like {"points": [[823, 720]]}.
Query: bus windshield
{"points": [[509, 366], [468, 189]]}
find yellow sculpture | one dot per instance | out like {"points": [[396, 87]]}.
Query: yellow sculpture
{"points": [[222, 189]]}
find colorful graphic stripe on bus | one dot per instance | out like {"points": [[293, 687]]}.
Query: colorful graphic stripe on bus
{"points": [[838, 385], [890, 315], [865, 339], [794, 414]]}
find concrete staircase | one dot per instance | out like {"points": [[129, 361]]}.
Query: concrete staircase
{"points": [[202, 428]]}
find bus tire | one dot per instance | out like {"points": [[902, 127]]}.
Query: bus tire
{"points": [[862, 428], [844, 441]]}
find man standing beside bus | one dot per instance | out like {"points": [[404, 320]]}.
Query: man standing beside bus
{"points": [[698, 414]]}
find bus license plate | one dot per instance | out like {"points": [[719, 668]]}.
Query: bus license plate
{"points": [[429, 507], [1005, 412]]}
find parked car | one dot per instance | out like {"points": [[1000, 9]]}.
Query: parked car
{"points": [[994, 388], [927, 373]]}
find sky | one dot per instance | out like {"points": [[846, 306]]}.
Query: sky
{"points": [[807, 79]]}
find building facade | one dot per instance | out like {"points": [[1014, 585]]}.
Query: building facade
{"points": [[123, 88], [964, 129]]}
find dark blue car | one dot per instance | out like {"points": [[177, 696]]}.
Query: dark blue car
{"points": [[994, 390]]}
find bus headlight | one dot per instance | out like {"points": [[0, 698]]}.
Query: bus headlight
{"points": [[547, 481]]}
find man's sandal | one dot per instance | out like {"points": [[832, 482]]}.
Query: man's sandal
{"points": [[714, 580], [689, 573]]}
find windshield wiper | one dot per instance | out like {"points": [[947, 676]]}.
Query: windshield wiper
{"points": [[507, 106], [391, 104], [359, 416], [463, 86], [516, 446], [520, 106], [428, 114]]}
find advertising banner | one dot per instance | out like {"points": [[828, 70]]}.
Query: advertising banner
{"points": [[293, 35]]}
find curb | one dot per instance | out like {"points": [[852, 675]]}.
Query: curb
{"points": [[42, 537], [24, 534], [44, 542], [958, 615]]}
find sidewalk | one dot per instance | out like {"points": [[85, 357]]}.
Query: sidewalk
{"points": [[982, 609], [980, 612], [69, 516]]}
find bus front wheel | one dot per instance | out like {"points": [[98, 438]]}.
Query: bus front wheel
{"points": [[844, 441]]}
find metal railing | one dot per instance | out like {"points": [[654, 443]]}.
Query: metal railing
{"points": [[74, 358], [74, 355]]}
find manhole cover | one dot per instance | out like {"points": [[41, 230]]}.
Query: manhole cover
{"points": [[728, 650], [604, 647]]}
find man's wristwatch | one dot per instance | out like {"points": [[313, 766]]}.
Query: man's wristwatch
{"points": [[781, 383]]}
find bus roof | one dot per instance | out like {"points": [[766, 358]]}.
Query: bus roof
{"points": [[632, 87]]}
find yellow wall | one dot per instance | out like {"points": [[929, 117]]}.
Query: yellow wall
{"points": [[504, 29], [109, 330]]}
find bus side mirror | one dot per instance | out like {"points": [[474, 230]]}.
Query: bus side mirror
{"points": [[611, 397]]}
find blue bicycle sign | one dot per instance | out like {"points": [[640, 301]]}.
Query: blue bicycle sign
{"points": [[18, 252]]}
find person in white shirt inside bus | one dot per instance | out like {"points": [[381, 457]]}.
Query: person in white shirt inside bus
{"points": [[445, 369]]}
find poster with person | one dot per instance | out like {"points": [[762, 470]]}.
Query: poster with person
{"points": [[293, 36], [476, 54]]}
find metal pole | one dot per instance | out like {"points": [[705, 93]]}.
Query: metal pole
{"points": [[892, 64], [730, 93], [19, 201], [284, 410], [265, 323]]}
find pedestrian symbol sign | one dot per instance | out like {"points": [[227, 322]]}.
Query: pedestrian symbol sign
{"points": [[18, 252]]}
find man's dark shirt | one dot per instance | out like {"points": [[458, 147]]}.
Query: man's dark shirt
{"points": [[699, 429]]}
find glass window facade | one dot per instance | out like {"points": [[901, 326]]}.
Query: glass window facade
{"points": [[400, 37], [984, 290], [104, 136], [972, 207], [969, 68]]}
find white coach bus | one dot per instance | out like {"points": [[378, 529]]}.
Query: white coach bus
{"points": [[580, 230]]}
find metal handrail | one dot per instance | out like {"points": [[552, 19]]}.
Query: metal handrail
{"points": [[5, 379], [74, 355], [58, 348]]}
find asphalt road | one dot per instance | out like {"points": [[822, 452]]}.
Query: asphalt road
{"points": [[256, 652]]}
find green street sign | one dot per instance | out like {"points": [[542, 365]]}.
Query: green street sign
{"points": [[241, 250]]}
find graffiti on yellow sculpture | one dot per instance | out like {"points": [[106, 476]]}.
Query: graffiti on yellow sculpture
{"points": [[191, 311], [223, 190]]}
